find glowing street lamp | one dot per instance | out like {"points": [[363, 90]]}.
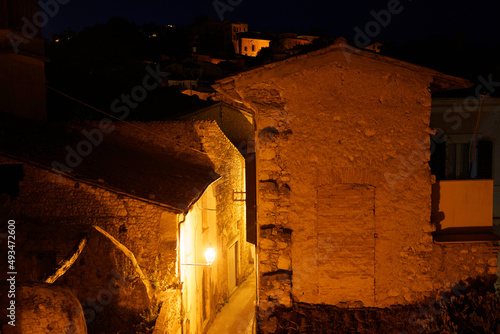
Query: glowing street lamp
{"points": [[210, 255]]}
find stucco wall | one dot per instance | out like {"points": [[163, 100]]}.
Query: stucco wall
{"points": [[344, 188]]}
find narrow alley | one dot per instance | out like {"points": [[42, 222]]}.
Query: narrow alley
{"points": [[238, 315]]}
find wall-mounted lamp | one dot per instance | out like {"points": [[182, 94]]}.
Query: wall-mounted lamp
{"points": [[209, 257]]}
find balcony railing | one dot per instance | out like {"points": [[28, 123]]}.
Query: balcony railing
{"points": [[462, 210]]}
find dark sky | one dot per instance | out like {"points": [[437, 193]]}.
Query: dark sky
{"points": [[417, 19]]}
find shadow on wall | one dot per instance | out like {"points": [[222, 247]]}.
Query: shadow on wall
{"points": [[436, 216]]}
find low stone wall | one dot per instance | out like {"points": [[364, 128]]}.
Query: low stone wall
{"points": [[477, 305]]}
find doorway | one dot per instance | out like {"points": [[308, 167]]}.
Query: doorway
{"points": [[232, 263]]}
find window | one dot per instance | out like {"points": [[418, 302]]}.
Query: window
{"points": [[246, 48], [458, 158], [253, 47]]}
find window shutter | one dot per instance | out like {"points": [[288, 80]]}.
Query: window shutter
{"points": [[484, 159], [438, 160]]}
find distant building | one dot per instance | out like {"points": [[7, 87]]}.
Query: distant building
{"points": [[251, 43], [232, 30], [289, 41], [223, 35]]}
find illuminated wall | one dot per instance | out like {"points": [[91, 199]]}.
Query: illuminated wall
{"points": [[215, 220], [251, 46], [344, 188], [198, 232]]}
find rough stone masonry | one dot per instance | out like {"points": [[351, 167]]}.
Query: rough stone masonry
{"points": [[340, 220]]}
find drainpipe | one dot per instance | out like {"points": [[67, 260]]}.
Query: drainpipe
{"points": [[181, 220]]}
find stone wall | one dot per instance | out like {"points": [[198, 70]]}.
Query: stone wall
{"points": [[344, 188], [45, 309], [53, 213], [478, 308], [231, 218], [237, 125]]}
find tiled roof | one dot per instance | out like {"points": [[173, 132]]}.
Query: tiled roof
{"points": [[161, 162]]}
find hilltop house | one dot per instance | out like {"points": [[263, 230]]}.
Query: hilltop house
{"points": [[343, 185], [250, 43], [134, 207]]}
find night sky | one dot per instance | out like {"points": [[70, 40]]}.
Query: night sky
{"points": [[418, 18]]}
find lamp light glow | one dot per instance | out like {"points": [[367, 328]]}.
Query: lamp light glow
{"points": [[210, 255]]}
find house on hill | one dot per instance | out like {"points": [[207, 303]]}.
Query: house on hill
{"points": [[132, 209], [250, 43], [343, 185]]}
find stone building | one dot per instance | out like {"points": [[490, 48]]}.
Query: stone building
{"points": [[236, 122], [288, 40], [343, 185], [250, 43], [141, 202]]}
